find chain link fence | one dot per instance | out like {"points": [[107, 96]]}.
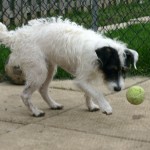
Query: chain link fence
{"points": [[127, 20]]}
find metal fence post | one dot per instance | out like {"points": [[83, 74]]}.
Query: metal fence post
{"points": [[95, 15], [1, 10], [12, 11]]}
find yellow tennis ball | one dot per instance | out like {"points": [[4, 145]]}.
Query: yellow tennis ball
{"points": [[135, 95]]}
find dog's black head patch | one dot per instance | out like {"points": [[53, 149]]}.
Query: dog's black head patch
{"points": [[109, 63]]}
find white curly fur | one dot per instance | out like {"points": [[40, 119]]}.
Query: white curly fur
{"points": [[44, 43]]}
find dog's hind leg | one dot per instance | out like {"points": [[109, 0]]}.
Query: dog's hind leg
{"points": [[35, 73], [26, 98], [90, 104], [44, 89]]}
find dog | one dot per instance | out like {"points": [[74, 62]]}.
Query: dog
{"points": [[43, 44]]}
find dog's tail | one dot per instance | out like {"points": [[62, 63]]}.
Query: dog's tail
{"points": [[5, 35]]}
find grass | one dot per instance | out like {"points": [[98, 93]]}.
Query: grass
{"points": [[112, 14], [123, 12], [61, 74], [137, 37], [4, 52]]}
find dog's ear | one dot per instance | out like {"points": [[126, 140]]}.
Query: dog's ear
{"points": [[131, 58], [103, 55]]}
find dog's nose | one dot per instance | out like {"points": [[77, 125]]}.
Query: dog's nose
{"points": [[117, 89]]}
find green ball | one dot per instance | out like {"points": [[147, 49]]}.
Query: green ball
{"points": [[135, 95]]}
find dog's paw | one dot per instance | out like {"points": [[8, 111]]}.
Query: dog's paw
{"points": [[93, 108], [106, 108], [39, 114], [107, 113], [57, 106]]}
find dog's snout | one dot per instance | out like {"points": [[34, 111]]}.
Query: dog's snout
{"points": [[117, 89]]}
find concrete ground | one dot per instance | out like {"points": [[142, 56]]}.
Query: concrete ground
{"points": [[74, 128]]}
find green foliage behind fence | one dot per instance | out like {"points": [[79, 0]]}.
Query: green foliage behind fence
{"points": [[140, 43]]}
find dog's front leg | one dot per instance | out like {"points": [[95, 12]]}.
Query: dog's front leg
{"points": [[89, 90], [90, 104]]}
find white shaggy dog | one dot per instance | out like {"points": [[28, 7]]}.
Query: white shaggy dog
{"points": [[37, 48]]}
